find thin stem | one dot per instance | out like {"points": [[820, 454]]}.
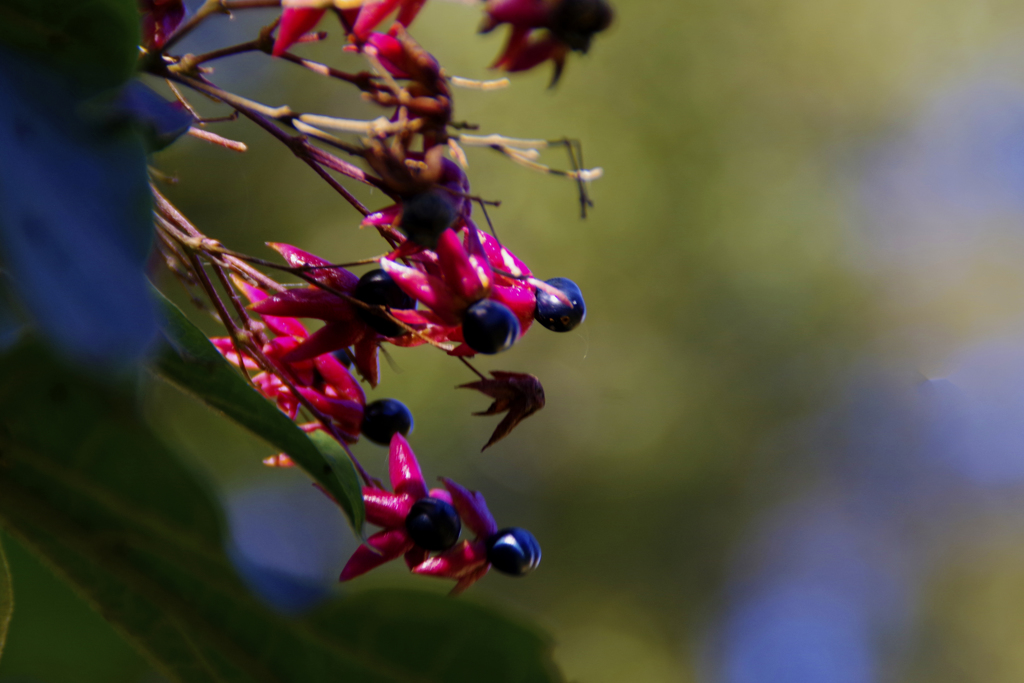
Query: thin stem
{"points": [[470, 366]]}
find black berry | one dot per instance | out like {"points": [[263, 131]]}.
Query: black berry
{"points": [[489, 326], [513, 551], [378, 288], [384, 418], [555, 315], [426, 215], [575, 22], [433, 524], [343, 357]]}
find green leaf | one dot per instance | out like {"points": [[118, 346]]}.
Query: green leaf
{"points": [[194, 365], [6, 599], [87, 486], [92, 42]]}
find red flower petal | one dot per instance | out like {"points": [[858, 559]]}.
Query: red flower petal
{"points": [[391, 543], [309, 302], [467, 281], [427, 289], [372, 13], [472, 508], [461, 560], [338, 378], [468, 580], [330, 337], [403, 469], [366, 360], [339, 278], [386, 509], [295, 22]]}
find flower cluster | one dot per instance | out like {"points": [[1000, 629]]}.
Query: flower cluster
{"points": [[443, 282], [424, 527]]}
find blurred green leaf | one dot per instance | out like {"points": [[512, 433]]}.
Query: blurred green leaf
{"points": [[194, 365], [86, 485], [93, 42], [6, 599]]}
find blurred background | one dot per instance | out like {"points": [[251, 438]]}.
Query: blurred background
{"points": [[786, 446]]}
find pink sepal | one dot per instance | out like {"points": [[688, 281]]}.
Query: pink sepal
{"points": [[390, 543], [348, 414], [338, 278], [456, 562], [295, 22], [372, 13], [517, 40], [503, 259], [385, 509], [404, 470], [386, 216], [366, 360], [529, 13], [227, 349], [472, 508], [534, 53], [308, 302], [520, 300], [425, 288], [338, 378], [415, 557], [441, 494], [468, 580], [464, 278], [330, 337]]}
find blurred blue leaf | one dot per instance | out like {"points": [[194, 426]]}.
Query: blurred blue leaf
{"points": [[74, 219]]}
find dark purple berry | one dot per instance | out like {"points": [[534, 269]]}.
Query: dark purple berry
{"points": [[433, 524], [513, 551], [489, 326], [343, 357], [384, 418], [575, 22], [555, 315], [426, 215], [378, 288]]}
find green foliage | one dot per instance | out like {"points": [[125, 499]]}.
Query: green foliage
{"points": [[93, 42], [6, 599], [194, 365], [115, 513]]}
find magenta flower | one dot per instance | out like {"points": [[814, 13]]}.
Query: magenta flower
{"points": [[513, 551], [295, 23], [159, 20], [461, 276], [343, 326], [323, 380], [424, 527], [415, 521], [363, 19], [545, 29]]}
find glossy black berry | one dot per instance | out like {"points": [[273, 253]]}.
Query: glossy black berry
{"points": [[555, 315], [513, 551], [575, 22], [489, 326], [426, 215], [433, 524], [384, 418], [343, 357], [378, 288]]}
